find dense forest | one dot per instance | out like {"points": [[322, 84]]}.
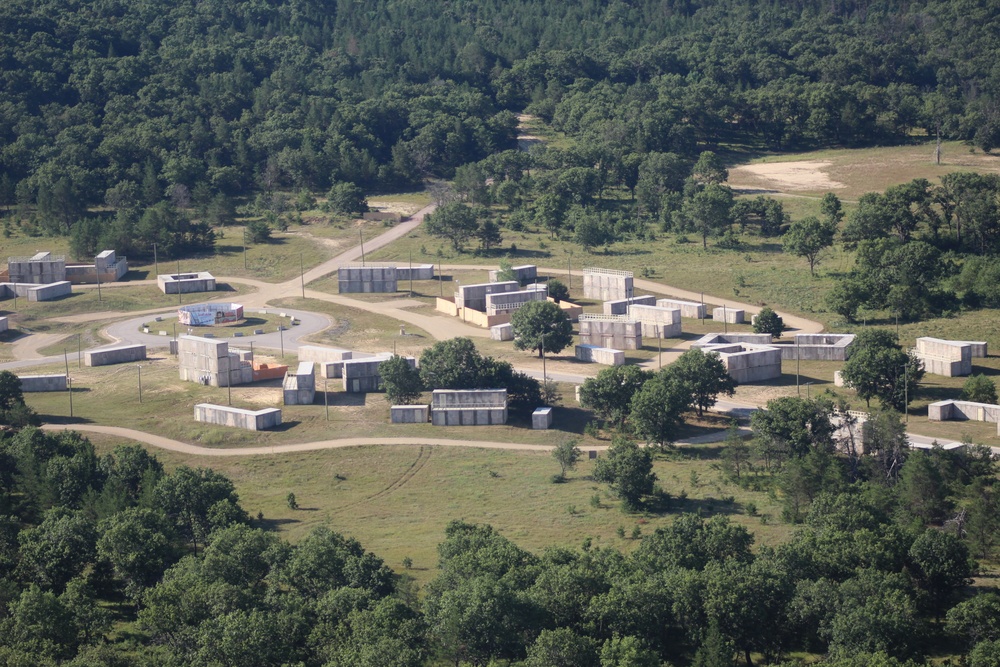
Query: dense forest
{"points": [[126, 104]]}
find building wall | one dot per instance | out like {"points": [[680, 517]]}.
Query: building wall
{"points": [[50, 291], [600, 355], [251, 420], [114, 355], [728, 315], [618, 333], [657, 322], [689, 309], [620, 306], [607, 284], [38, 383], [366, 279]]}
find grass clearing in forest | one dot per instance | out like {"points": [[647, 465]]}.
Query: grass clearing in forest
{"points": [[397, 500]]}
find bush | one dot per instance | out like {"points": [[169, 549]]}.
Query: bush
{"points": [[767, 321], [979, 389]]}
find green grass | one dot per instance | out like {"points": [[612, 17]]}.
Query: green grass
{"points": [[398, 500]]}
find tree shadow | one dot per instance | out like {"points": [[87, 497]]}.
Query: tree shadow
{"points": [[65, 419], [274, 524], [344, 398], [284, 426]]}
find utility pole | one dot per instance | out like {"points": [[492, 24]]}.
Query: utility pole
{"points": [[139, 368], [362, 235], [79, 352], [725, 319], [66, 359], [99, 299], [302, 273], [440, 278], [69, 382], [703, 308], [326, 397]]}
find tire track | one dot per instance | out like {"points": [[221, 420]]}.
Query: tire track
{"points": [[423, 456]]}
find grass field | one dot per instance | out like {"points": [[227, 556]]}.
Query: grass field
{"points": [[398, 500], [855, 171]]}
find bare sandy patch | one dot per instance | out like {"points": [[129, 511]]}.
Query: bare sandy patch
{"points": [[405, 209], [802, 175]]}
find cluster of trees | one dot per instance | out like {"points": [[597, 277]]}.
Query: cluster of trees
{"points": [[235, 99], [652, 405], [919, 246], [884, 549], [177, 555], [457, 364]]}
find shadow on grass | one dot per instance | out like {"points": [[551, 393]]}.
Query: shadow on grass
{"points": [[284, 426], [344, 399], [274, 524], [65, 419], [234, 249]]}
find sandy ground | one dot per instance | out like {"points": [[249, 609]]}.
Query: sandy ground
{"points": [[804, 175]]}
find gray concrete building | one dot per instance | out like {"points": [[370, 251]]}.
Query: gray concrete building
{"points": [[362, 376], [120, 354], [607, 284], [210, 362], [38, 383], [409, 414], [41, 269], [720, 338], [818, 347], [224, 415], [728, 315], [656, 321], [474, 296], [615, 331], [963, 411], [748, 363], [366, 279], [945, 357], [506, 302], [599, 355], [469, 407], [186, 283], [502, 332], [541, 419], [299, 388], [524, 274], [689, 309], [329, 360], [620, 306]]}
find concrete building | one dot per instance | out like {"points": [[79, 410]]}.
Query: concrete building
{"points": [[615, 331], [38, 383], [620, 306], [600, 355], [689, 309], [747, 363], [963, 411], [469, 407], [44, 268], [607, 284], [502, 332], [210, 362], [732, 339], [979, 348], [36, 292], [409, 414], [728, 315], [329, 360], [506, 302], [366, 279], [474, 296], [414, 272], [524, 274], [361, 375], [818, 347], [541, 419], [224, 415], [656, 321], [41, 269], [186, 283], [945, 357], [120, 354], [299, 388]]}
